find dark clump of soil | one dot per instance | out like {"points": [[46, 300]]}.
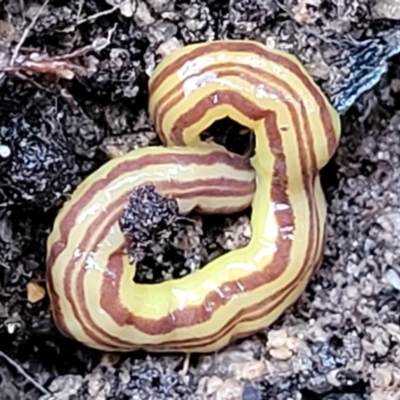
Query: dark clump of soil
{"points": [[341, 340]]}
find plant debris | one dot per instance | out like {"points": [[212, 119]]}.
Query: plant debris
{"points": [[35, 292], [147, 220], [164, 244]]}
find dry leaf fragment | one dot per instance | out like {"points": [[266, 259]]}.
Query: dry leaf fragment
{"points": [[35, 292]]}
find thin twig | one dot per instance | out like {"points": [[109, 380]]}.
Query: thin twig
{"points": [[56, 65], [26, 32], [186, 363], [80, 8], [23, 373], [2, 263], [101, 13], [97, 45], [22, 7], [37, 85]]}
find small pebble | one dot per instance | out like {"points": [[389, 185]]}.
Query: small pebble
{"points": [[281, 353], [250, 370], [393, 278], [231, 389], [277, 338], [213, 384], [381, 378], [251, 393], [5, 151]]}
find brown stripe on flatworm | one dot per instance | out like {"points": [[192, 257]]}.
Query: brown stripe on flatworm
{"points": [[241, 317], [113, 210], [56, 307], [193, 315], [125, 318], [256, 78], [252, 111], [241, 188], [264, 53], [311, 236], [185, 342], [69, 220], [207, 340]]}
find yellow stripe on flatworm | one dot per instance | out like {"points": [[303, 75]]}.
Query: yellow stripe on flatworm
{"points": [[124, 183], [181, 78], [241, 60]]}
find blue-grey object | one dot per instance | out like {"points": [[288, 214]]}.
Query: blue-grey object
{"points": [[251, 393], [367, 64]]}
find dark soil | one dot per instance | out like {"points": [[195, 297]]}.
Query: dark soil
{"points": [[341, 340]]}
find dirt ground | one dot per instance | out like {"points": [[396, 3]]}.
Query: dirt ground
{"points": [[341, 340]]}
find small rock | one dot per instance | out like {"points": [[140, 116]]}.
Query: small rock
{"points": [[98, 388], [64, 387], [213, 384], [352, 292], [126, 7], [251, 393], [281, 347], [5, 151], [381, 378], [168, 47], [281, 353], [231, 389], [388, 9], [394, 331], [124, 377], [393, 278], [110, 359], [277, 338], [368, 346], [250, 370], [142, 15], [292, 343], [161, 5], [331, 377]]}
